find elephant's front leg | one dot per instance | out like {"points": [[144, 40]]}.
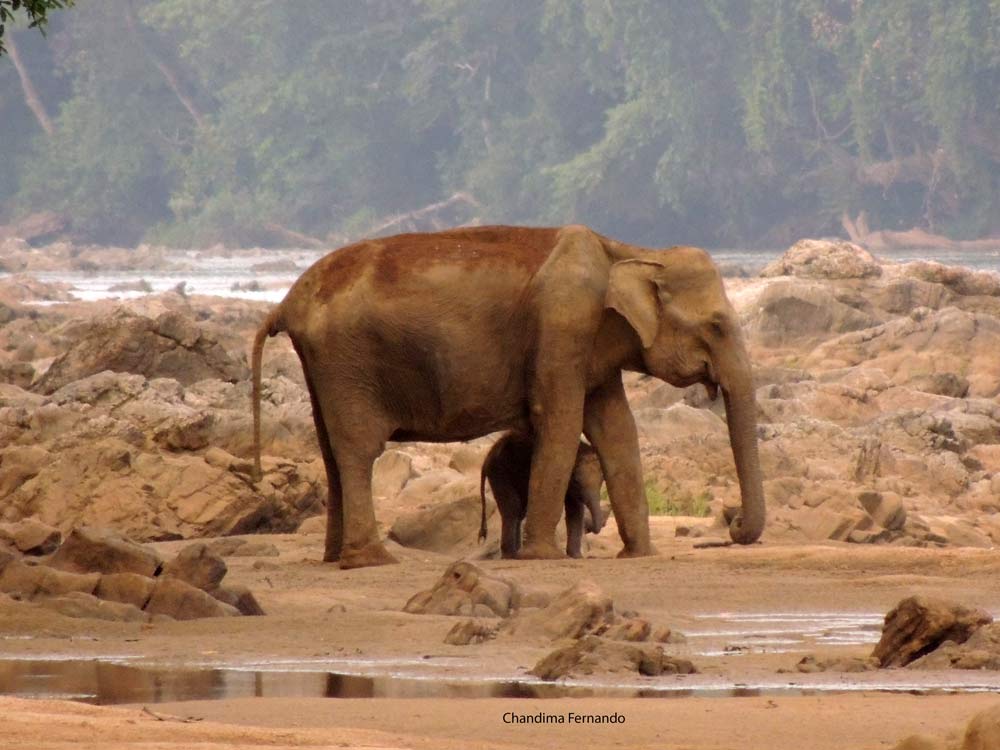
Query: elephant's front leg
{"points": [[557, 437], [610, 427]]}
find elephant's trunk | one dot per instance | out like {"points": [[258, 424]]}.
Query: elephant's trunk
{"points": [[741, 414]]}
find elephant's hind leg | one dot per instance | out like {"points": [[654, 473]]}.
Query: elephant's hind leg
{"points": [[334, 498], [357, 436]]}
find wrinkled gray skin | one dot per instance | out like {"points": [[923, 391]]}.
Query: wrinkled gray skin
{"points": [[507, 468], [454, 335]]}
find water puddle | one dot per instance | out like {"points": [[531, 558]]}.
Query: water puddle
{"points": [[728, 633], [115, 682]]}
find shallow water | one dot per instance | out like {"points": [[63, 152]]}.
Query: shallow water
{"points": [[222, 275], [117, 681], [728, 633]]}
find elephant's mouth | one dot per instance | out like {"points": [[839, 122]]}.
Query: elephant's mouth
{"points": [[713, 389]]}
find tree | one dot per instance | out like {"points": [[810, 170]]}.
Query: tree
{"points": [[37, 12]]}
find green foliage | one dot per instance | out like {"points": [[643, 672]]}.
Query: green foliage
{"points": [[36, 12], [671, 500], [710, 122]]}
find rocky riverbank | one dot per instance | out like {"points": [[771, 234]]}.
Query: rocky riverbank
{"points": [[877, 382]]}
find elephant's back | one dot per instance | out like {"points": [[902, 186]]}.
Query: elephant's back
{"points": [[422, 261]]}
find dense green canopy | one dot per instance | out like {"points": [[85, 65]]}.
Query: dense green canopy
{"points": [[658, 121]]}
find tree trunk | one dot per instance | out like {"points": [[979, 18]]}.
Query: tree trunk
{"points": [[31, 97], [169, 74]]}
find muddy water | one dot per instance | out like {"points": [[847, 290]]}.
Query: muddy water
{"points": [[117, 679], [115, 682]]}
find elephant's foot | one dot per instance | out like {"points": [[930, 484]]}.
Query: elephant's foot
{"points": [[331, 555], [540, 551], [644, 550], [366, 557]]}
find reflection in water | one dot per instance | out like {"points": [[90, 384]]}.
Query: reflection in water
{"points": [[109, 682]]}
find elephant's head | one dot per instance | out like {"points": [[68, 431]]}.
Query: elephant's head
{"points": [[689, 333]]}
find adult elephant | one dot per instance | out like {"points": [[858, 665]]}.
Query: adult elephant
{"points": [[452, 335]]}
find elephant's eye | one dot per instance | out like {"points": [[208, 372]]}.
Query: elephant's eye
{"points": [[717, 329]]}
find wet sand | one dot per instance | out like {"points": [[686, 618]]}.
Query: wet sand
{"points": [[747, 612]]}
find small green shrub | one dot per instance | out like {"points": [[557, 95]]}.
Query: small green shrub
{"points": [[672, 500]]}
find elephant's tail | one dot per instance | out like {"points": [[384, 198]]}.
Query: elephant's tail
{"points": [[273, 324], [482, 499]]}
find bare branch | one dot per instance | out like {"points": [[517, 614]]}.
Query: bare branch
{"points": [[31, 97]]}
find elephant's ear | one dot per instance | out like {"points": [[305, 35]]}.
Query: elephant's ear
{"points": [[633, 293]]}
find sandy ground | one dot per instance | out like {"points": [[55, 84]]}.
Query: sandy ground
{"points": [[323, 619]]}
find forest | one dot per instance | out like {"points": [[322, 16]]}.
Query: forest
{"points": [[311, 122]]}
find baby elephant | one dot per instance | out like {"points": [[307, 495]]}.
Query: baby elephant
{"points": [[507, 467]]}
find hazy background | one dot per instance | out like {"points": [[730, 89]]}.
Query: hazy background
{"points": [[716, 122]]}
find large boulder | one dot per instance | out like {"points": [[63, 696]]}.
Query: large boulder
{"points": [[926, 342], [126, 588], [449, 520], [980, 651], [182, 601], [983, 731], [578, 611], [197, 565], [592, 655], [465, 589], [89, 549], [171, 346], [919, 624], [825, 259], [79, 604], [31, 536], [797, 312], [31, 581]]}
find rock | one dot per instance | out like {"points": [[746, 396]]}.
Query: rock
{"points": [[592, 655], [919, 624], [29, 581], [980, 651], [444, 527], [190, 433], [32, 537], [578, 611], [127, 588], [468, 459], [886, 509], [239, 597], [170, 346], [233, 547], [313, 525], [37, 227], [905, 348], [629, 629], [197, 565], [392, 470], [18, 464], [825, 259], [810, 664], [660, 426], [961, 280], [465, 589], [471, 631], [89, 549], [798, 312], [79, 604], [182, 601], [215, 456], [919, 742], [940, 383], [983, 731]]}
